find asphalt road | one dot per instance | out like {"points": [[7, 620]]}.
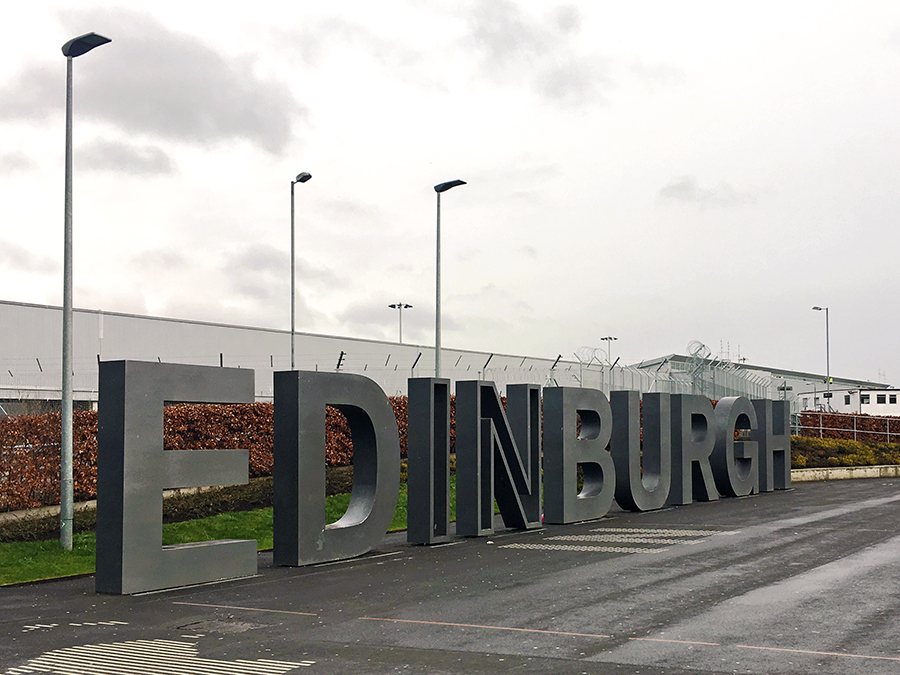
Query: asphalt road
{"points": [[801, 581]]}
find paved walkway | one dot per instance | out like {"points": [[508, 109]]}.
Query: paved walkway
{"points": [[801, 581]]}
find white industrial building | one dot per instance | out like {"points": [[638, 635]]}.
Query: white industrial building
{"points": [[31, 361]]}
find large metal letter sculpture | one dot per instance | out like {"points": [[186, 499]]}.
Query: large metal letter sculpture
{"points": [[492, 461], [565, 449], [693, 439], [735, 464], [428, 461], [641, 485], [133, 470], [774, 438], [301, 536]]}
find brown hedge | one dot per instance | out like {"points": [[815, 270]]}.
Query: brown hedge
{"points": [[30, 454], [868, 428]]}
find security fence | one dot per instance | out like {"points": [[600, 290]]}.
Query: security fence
{"points": [[848, 426]]}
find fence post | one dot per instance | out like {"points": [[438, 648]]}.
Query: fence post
{"points": [[854, 427], [820, 425]]}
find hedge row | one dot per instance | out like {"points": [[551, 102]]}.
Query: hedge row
{"points": [[30, 454], [807, 452], [850, 426]]}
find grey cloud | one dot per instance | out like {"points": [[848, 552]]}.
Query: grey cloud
{"points": [[686, 189], [516, 46], [36, 93], [102, 155], [363, 317], [261, 272], [15, 162], [15, 257], [259, 258], [314, 39], [154, 81], [166, 259]]}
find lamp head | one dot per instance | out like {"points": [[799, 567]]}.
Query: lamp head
{"points": [[303, 177], [83, 44], [443, 187]]}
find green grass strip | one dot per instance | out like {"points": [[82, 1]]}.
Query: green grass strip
{"points": [[36, 560]]}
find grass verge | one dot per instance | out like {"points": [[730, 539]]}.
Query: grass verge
{"points": [[24, 561]]}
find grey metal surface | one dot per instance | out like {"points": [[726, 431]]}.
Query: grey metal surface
{"points": [[735, 464], [773, 436], [493, 461], [565, 448], [133, 470], [301, 536], [643, 476], [428, 461], [693, 439]]}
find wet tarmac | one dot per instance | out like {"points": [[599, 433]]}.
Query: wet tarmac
{"points": [[801, 581]]}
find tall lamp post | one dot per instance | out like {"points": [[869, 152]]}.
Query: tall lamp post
{"points": [[439, 188], [827, 354], [609, 339], [400, 306], [74, 47], [301, 178]]}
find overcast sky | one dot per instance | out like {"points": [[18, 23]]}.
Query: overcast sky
{"points": [[655, 171]]}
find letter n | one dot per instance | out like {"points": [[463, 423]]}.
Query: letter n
{"points": [[300, 534], [133, 470], [497, 452]]}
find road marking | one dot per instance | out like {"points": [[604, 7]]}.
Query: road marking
{"points": [[679, 642], [246, 609], [361, 559], [140, 657], [637, 639], [584, 549], [623, 538], [814, 653], [664, 532], [473, 625]]}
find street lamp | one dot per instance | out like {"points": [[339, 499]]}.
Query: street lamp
{"points": [[608, 339], [439, 188], [75, 47], [400, 306], [827, 353], [301, 178]]}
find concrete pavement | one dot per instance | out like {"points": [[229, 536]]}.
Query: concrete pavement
{"points": [[800, 581]]}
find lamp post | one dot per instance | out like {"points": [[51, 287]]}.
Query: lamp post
{"points": [[74, 47], [301, 178], [609, 339], [439, 188], [827, 353], [400, 306]]}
